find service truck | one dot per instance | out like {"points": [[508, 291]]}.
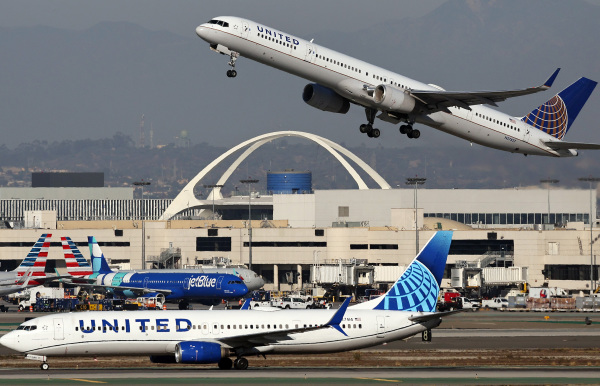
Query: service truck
{"points": [[495, 303]]}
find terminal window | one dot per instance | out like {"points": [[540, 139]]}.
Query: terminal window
{"points": [[343, 211], [213, 244]]}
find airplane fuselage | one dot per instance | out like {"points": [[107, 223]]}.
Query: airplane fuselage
{"points": [[355, 80], [157, 332]]}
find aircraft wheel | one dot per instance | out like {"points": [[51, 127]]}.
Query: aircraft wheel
{"points": [[240, 363], [225, 364], [233, 73], [376, 133], [44, 366], [183, 305], [403, 129], [229, 73], [363, 128], [416, 134]]}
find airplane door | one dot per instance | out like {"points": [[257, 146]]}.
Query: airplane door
{"points": [[204, 328], [146, 282], [381, 326], [310, 53], [215, 328], [245, 29], [186, 284], [59, 333], [219, 282], [526, 135]]}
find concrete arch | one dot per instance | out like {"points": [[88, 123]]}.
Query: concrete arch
{"points": [[186, 198]]}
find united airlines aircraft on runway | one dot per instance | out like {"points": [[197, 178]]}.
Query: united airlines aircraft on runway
{"points": [[214, 336], [341, 80]]}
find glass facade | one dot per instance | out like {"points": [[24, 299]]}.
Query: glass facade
{"points": [[512, 218]]}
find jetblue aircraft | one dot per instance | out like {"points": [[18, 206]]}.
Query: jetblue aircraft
{"points": [[180, 285], [31, 271], [341, 80], [214, 336]]}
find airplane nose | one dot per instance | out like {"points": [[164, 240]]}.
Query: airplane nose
{"points": [[8, 340], [201, 31]]}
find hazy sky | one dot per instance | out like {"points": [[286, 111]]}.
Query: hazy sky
{"points": [[182, 16], [201, 113]]}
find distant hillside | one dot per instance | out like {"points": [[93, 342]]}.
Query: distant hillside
{"points": [[171, 167]]}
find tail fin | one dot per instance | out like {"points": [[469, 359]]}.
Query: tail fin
{"points": [[34, 265], [419, 286], [556, 116], [99, 264], [77, 265]]}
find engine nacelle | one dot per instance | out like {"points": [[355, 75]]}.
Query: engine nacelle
{"points": [[390, 98], [199, 352], [325, 99], [162, 359]]}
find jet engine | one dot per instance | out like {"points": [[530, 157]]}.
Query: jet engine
{"points": [[390, 98], [325, 99], [199, 352]]}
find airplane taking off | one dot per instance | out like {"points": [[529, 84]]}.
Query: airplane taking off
{"points": [[341, 80], [182, 285], [31, 271], [213, 336]]}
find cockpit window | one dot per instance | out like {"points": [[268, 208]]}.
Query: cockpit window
{"points": [[27, 328], [219, 22]]}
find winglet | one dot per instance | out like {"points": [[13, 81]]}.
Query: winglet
{"points": [[246, 305], [337, 318], [550, 80]]}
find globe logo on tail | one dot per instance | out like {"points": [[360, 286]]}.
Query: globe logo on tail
{"points": [[551, 117]]}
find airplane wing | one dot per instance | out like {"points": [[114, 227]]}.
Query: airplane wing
{"points": [[559, 145], [265, 338], [440, 100]]}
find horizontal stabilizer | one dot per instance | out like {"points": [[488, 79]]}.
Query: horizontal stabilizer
{"points": [[556, 145], [437, 315]]}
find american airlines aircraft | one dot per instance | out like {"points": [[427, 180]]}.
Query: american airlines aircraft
{"points": [[341, 80], [31, 271], [214, 336], [180, 285]]}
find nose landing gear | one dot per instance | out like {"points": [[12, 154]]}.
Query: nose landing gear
{"points": [[232, 59]]}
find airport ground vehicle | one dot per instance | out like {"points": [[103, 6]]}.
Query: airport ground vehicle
{"points": [[293, 302], [495, 303]]}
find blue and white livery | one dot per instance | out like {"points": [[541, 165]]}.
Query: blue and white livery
{"points": [[340, 80], [216, 336]]}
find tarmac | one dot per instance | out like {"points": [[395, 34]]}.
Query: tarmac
{"points": [[464, 346]]}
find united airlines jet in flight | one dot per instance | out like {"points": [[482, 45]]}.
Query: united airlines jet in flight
{"points": [[216, 336], [340, 80]]}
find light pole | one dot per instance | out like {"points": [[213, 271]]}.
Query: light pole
{"points": [[213, 186], [141, 184], [249, 181], [591, 180], [416, 181], [548, 181]]}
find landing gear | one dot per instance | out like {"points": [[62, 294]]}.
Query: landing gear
{"points": [[232, 58], [183, 305], [368, 128], [225, 364], [409, 131], [240, 363], [44, 366]]}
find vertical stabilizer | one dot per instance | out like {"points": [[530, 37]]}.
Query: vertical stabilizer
{"points": [[556, 116], [77, 265], [99, 264], [34, 265], [419, 286]]}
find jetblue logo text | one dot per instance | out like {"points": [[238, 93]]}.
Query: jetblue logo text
{"points": [[202, 281]]}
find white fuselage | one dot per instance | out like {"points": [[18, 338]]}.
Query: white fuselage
{"points": [[157, 332], [348, 77]]}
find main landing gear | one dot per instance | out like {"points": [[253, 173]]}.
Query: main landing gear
{"points": [[232, 58], [368, 128], [240, 363], [409, 131]]}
